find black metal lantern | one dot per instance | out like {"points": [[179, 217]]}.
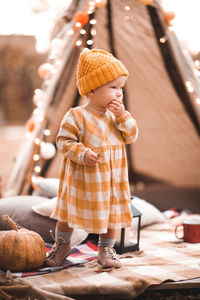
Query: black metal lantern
{"points": [[123, 246]]}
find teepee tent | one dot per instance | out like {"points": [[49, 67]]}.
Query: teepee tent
{"points": [[162, 93]]}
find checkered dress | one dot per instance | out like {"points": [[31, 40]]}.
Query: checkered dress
{"points": [[94, 198]]}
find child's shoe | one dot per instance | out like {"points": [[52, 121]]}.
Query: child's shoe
{"points": [[58, 253], [107, 258]]}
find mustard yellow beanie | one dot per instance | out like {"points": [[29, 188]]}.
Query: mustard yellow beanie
{"points": [[96, 68]]}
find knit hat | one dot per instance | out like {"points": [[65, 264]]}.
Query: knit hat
{"points": [[96, 68]]}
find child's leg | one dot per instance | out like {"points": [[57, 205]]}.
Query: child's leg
{"points": [[61, 248], [63, 230], [106, 253]]}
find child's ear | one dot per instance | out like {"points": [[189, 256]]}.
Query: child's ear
{"points": [[91, 93]]}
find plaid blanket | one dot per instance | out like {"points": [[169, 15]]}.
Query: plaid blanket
{"points": [[80, 255], [161, 258]]}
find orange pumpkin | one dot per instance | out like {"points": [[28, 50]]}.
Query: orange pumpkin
{"points": [[20, 249]]}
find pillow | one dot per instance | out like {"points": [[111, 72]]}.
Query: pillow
{"points": [[150, 214], [47, 187], [19, 208], [46, 209]]}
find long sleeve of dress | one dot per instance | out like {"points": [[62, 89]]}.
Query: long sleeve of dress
{"points": [[128, 127], [68, 139]]}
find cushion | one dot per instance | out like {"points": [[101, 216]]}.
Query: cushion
{"points": [[46, 187], [19, 208], [150, 214], [45, 208]]}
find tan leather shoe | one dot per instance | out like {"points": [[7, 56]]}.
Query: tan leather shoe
{"points": [[58, 253], [107, 257]]}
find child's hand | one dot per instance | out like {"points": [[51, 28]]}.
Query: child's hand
{"points": [[117, 108], [91, 158]]}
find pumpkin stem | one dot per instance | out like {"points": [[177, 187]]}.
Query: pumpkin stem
{"points": [[6, 218]]}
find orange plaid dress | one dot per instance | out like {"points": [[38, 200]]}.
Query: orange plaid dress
{"points": [[94, 198]]}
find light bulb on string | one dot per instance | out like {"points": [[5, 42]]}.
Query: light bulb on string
{"points": [[90, 10], [36, 157], [46, 70], [198, 101], [127, 8], [78, 25], [171, 28], [57, 45], [38, 97], [189, 86], [163, 39], [93, 31], [92, 3], [37, 141], [197, 63], [82, 31], [100, 3], [47, 150], [37, 169], [70, 32], [47, 132], [90, 42], [38, 114], [79, 43], [127, 18], [58, 62], [93, 22], [29, 135]]}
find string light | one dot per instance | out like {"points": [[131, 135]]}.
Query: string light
{"points": [[36, 157], [127, 8], [37, 169], [79, 43], [93, 31], [92, 3], [197, 63], [78, 25], [37, 141], [70, 32], [82, 31], [189, 86], [38, 114], [163, 39], [89, 42], [58, 62], [171, 28], [93, 22], [90, 10], [47, 132], [28, 135], [198, 101], [127, 18]]}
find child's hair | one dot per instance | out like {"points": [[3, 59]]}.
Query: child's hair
{"points": [[96, 68]]}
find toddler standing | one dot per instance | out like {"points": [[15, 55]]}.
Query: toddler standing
{"points": [[94, 190]]}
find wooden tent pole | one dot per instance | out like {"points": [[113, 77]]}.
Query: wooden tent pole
{"points": [[59, 90]]}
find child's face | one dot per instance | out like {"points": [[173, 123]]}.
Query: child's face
{"points": [[104, 95]]}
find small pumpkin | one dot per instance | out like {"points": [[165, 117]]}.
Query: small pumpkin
{"points": [[20, 249]]}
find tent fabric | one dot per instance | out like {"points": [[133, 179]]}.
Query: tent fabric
{"points": [[168, 146]]}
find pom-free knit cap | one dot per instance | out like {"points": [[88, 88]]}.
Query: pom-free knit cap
{"points": [[96, 68]]}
